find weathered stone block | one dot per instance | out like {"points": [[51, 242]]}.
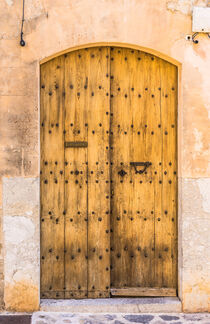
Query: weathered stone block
{"points": [[195, 245], [21, 198], [21, 243]]}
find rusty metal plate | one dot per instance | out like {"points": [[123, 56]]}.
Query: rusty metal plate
{"points": [[76, 144]]}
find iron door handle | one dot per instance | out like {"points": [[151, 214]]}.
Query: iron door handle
{"points": [[144, 164]]}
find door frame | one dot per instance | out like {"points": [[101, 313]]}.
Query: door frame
{"points": [[179, 138]]}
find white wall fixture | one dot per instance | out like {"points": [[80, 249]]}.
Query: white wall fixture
{"points": [[201, 19]]}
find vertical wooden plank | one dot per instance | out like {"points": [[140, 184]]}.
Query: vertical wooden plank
{"points": [[52, 180], [121, 141], [166, 223], [132, 239], [153, 148], [98, 106], [76, 224]]}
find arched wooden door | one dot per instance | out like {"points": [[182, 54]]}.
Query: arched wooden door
{"points": [[108, 174]]}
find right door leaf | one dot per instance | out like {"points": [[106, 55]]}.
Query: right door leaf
{"points": [[144, 167]]}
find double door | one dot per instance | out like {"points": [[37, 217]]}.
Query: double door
{"points": [[108, 175]]}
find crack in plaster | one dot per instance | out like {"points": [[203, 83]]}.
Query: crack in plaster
{"points": [[184, 6]]}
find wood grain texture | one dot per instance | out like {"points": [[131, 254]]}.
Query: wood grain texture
{"points": [[98, 109], [146, 292], [133, 201], [166, 224], [75, 177]]}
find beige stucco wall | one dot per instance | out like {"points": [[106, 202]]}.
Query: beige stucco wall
{"points": [[54, 26]]}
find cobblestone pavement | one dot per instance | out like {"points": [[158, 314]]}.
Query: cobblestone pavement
{"points": [[65, 318]]}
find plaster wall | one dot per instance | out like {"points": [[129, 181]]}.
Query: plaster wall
{"points": [[54, 26]]}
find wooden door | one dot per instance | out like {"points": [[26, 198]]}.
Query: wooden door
{"points": [[75, 186], [106, 226], [143, 154]]}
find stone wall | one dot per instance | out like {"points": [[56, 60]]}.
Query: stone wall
{"points": [[54, 26]]}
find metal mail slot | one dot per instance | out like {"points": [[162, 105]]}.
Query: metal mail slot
{"points": [[76, 144]]}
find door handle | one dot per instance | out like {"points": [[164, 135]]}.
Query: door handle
{"points": [[144, 164]]}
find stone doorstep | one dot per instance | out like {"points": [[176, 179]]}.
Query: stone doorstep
{"points": [[113, 305]]}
